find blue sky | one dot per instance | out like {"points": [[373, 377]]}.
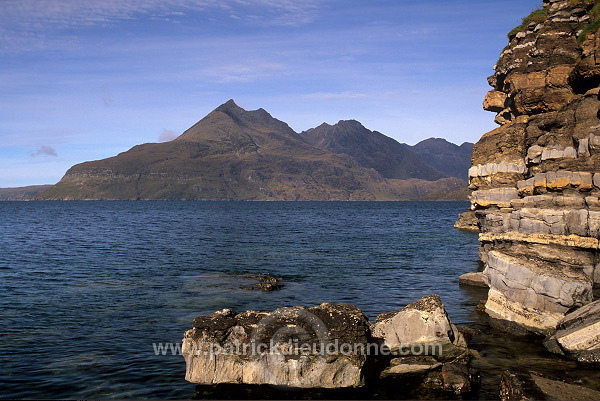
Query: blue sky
{"points": [[86, 79]]}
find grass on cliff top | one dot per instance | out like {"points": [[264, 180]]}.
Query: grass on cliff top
{"points": [[536, 16], [593, 26]]}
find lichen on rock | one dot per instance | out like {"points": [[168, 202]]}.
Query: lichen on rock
{"points": [[328, 346]]}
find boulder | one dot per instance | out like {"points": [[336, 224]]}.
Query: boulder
{"points": [[579, 335], [422, 328], [293, 346], [520, 385], [458, 378], [473, 279]]}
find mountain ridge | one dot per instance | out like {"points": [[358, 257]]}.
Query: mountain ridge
{"points": [[234, 154], [373, 149]]}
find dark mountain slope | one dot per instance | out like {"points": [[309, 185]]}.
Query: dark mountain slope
{"points": [[389, 157], [452, 160]]}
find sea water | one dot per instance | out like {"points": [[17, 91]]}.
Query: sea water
{"points": [[88, 289]]}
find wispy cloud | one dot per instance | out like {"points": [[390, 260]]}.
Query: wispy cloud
{"points": [[30, 23], [333, 95], [167, 135], [44, 151], [248, 71]]}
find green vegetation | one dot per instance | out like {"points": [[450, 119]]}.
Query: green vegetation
{"points": [[536, 16], [582, 2], [593, 26]]}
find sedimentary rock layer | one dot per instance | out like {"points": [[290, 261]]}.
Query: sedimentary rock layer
{"points": [[536, 178]]}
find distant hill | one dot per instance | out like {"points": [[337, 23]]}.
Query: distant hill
{"points": [[452, 160], [234, 154], [389, 157], [21, 193]]}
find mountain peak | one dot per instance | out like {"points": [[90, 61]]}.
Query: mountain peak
{"points": [[229, 105], [236, 154], [233, 110], [232, 124], [351, 123]]}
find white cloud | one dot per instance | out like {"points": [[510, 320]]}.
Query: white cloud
{"points": [[44, 151]]}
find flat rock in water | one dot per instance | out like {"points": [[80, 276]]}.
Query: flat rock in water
{"points": [[473, 279], [408, 365], [579, 335], [518, 384]]}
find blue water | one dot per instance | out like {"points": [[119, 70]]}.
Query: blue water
{"points": [[86, 288]]}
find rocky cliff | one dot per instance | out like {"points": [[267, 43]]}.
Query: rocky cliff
{"points": [[536, 178]]}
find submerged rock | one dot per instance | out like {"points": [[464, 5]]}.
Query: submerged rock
{"points": [[265, 282]]}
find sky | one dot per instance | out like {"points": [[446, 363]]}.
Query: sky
{"points": [[87, 79]]}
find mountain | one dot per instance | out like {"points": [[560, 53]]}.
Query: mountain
{"points": [[21, 193], [450, 159], [234, 154], [389, 157]]}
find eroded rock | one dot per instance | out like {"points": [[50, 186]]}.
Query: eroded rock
{"points": [[520, 385], [326, 346], [467, 221], [536, 178], [475, 279], [419, 326], [579, 335], [294, 346]]}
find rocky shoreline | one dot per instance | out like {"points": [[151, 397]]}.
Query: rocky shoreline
{"points": [[332, 346], [536, 204], [304, 357]]}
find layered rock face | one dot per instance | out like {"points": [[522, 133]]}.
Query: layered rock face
{"points": [[536, 178]]}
